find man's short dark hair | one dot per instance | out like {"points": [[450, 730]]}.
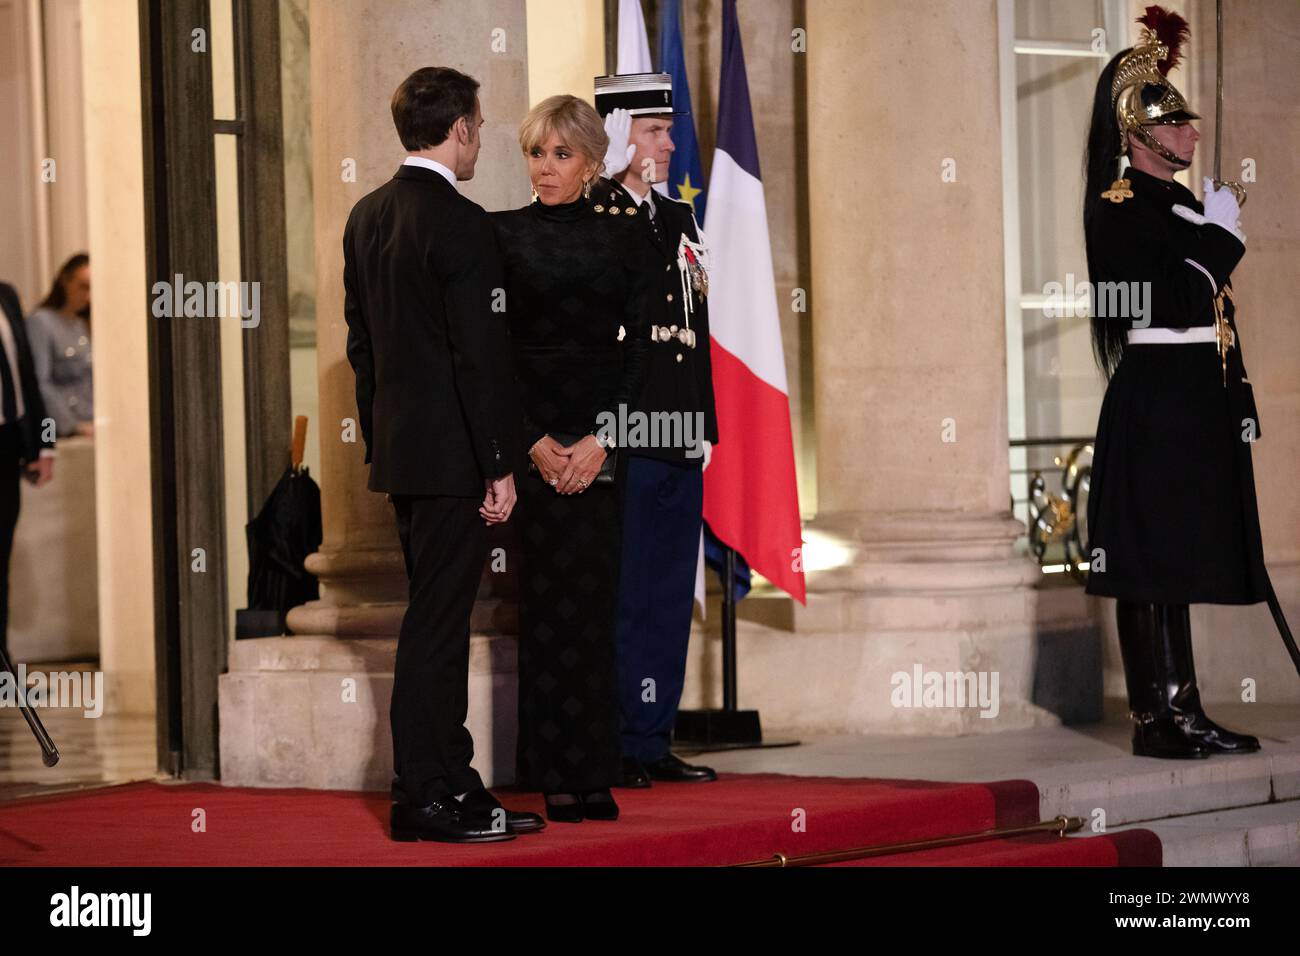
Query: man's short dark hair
{"points": [[429, 102]]}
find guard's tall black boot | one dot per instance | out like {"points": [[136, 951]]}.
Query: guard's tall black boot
{"points": [[1156, 729], [1184, 697]]}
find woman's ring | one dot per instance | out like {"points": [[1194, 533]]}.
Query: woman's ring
{"points": [[554, 482], [582, 482]]}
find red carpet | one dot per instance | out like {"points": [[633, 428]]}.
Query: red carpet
{"points": [[1127, 848], [742, 817]]}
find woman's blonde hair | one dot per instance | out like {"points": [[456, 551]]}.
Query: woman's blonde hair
{"points": [[574, 119]]}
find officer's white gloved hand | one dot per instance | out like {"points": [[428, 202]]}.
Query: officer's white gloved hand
{"points": [[619, 153], [708, 454], [1221, 209]]}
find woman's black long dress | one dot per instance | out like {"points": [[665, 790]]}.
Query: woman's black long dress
{"points": [[576, 301]]}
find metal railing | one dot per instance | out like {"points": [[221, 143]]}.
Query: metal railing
{"points": [[1051, 498]]}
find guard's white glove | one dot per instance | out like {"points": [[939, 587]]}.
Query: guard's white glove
{"points": [[619, 153], [708, 454], [1221, 209]]}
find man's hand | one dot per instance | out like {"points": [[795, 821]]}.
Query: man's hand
{"points": [[585, 459], [708, 454], [619, 153], [40, 471], [499, 500]]}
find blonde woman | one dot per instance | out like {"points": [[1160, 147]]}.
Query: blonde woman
{"points": [[577, 290]]}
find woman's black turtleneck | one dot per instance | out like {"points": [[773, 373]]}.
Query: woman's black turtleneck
{"points": [[577, 302]]}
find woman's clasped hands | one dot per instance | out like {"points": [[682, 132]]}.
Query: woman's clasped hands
{"points": [[568, 470]]}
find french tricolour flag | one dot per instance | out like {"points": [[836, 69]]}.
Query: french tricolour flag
{"points": [[750, 498]]}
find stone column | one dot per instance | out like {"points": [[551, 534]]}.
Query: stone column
{"points": [[910, 383], [360, 51], [312, 710]]}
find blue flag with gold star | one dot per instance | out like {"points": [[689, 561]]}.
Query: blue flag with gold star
{"points": [[685, 176]]}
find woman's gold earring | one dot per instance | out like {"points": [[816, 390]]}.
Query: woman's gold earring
{"points": [[534, 189], [586, 189]]}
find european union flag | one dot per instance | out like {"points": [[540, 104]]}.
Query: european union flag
{"points": [[685, 176]]}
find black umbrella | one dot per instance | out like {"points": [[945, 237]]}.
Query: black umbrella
{"points": [[285, 531]]}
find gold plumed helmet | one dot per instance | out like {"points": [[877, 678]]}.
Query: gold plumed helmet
{"points": [[1141, 92]]}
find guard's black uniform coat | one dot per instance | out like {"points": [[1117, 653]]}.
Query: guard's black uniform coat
{"points": [[1172, 498], [680, 379]]}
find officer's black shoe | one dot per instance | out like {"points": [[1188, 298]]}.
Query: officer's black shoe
{"points": [[441, 820], [670, 767], [1157, 731], [1185, 697], [481, 805], [635, 775], [1164, 737]]}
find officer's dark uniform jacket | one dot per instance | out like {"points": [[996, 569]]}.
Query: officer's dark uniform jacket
{"points": [[1171, 507], [680, 377]]}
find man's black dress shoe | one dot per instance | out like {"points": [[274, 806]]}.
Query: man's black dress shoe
{"points": [[635, 775], [481, 805], [441, 820], [669, 767]]}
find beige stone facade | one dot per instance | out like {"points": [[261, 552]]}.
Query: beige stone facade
{"points": [[880, 132]]}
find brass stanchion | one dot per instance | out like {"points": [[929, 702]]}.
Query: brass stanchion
{"points": [[1060, 826]]}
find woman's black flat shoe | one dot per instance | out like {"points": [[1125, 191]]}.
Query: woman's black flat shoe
{"points": [[599, 805], [564, 811]]}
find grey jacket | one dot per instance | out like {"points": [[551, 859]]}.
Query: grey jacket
{"points": [[61, 351]]}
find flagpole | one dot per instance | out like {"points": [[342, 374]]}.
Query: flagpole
{"points": [[729, 632], [727, 728], [751, 379]]}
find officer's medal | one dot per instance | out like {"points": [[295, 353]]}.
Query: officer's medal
{"points": [[691, 257]]}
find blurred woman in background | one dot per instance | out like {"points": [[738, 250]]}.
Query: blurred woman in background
{"points": [[59, 330]]}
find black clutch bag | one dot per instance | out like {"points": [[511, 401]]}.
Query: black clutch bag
{"points": [[603, 477]]}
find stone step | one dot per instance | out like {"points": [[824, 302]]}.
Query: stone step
{"points": [[1085, 770], [1131, 788], [1266, 835]]}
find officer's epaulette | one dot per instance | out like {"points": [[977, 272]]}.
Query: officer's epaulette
{"points": [[1120, 190]]}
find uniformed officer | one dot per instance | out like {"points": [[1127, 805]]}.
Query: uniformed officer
{"points": [[1172, 515], [664, 495]]}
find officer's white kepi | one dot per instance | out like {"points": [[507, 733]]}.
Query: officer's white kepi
{"points": [[641, 94]]}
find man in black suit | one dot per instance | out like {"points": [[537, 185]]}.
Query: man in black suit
{"points": [[26, 434], [436, 410]]}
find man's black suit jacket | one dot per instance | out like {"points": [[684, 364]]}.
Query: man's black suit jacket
{"points": [[427, 338], [33, 405]]}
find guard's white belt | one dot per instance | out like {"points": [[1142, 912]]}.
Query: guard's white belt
{"points": [[1199, 333]]}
